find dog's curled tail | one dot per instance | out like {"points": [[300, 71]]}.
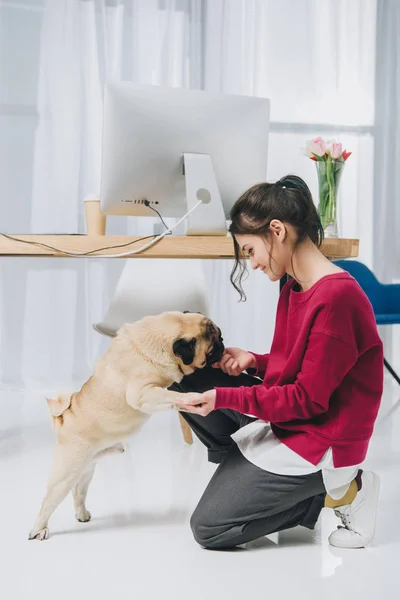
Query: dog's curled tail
{"points": [[60, 404]]}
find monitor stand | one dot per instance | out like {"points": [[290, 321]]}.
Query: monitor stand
{"points": [[201, 184]]}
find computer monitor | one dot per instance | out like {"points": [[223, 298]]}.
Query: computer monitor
{"points": [[173, 147]]}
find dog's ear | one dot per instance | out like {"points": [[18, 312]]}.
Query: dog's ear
{"points": [[185, 349]]}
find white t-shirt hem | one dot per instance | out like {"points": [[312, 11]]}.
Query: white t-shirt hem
{"points": [[262, 448]]}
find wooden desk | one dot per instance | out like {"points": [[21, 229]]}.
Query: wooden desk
{"points": [[211, 247], [169, 247]]}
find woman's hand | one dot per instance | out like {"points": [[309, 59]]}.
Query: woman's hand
{"points": [[199, 406], [235, 360]]}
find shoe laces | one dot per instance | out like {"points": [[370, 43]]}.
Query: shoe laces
{"points": [[344, 515]]}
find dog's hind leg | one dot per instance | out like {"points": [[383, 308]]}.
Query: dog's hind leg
{"points": [[69, 463], [80, 490], [79, 493]]}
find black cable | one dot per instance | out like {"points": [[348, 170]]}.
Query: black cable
{"points": [[40, 244], [146, 237], [147, 203]]}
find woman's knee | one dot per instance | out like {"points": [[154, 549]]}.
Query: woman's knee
{"points": [[202, 532], [210, 535]]}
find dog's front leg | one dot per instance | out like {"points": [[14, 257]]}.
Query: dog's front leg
{"points": [[151, 399]]}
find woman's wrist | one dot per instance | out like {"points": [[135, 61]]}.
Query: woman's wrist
{"points": [[253, 364]]}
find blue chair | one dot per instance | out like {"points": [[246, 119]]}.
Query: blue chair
{"points": [[385, 298]]}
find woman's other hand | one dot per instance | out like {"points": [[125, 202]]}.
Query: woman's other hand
{"points": [[235, 360]]}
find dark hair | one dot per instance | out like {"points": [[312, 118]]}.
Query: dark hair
{"points": [[289, 200]]}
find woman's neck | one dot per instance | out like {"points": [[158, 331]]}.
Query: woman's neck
{"points": [[309, 265]]}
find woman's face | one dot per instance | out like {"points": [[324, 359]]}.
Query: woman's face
{"points": [[272, 256]]}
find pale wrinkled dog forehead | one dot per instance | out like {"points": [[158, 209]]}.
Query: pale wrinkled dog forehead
{"points": [[208, 328]]}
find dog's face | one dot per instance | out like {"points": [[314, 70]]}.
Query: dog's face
{"points": [[199, 343], [192, 340]]}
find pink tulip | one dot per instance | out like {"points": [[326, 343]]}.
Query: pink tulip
{"points": [[336, 150], [317, 147]]}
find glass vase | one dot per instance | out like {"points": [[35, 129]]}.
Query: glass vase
{"points": [[329, 175]]}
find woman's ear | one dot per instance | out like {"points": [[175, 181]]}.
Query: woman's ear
{"points": [[278, 229]]}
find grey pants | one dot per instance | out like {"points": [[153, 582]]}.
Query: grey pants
{"points": [[243, 502]]}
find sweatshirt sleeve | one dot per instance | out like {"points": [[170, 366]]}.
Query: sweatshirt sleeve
{"points": [[326, 362], [261, 364]]}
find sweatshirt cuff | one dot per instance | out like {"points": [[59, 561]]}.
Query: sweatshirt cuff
{"points": [[228, 398], [261, 364]]}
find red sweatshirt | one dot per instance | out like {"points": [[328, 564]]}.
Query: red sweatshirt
{"points": [[323, 379]]}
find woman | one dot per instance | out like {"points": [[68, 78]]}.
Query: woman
{"points": [[291, 438]]}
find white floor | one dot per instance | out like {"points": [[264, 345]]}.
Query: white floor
{"points": [[139, 541]]}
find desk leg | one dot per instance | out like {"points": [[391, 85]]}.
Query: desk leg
{"points": [[187, 432]]}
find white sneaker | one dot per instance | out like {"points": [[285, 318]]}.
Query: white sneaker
{"points": [[358, 518]]}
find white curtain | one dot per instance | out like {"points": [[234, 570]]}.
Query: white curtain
{"points": [[387, 156], [386, 242], [315, 61]]}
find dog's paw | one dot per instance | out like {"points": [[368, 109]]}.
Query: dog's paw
{"points": [[42, 534], [191, 397], [83, 515]]}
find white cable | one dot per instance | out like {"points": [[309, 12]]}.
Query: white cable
{"points": [[157, 239], [127, 253]]}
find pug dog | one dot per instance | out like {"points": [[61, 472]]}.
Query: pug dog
{"points": [[128, 385]]}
